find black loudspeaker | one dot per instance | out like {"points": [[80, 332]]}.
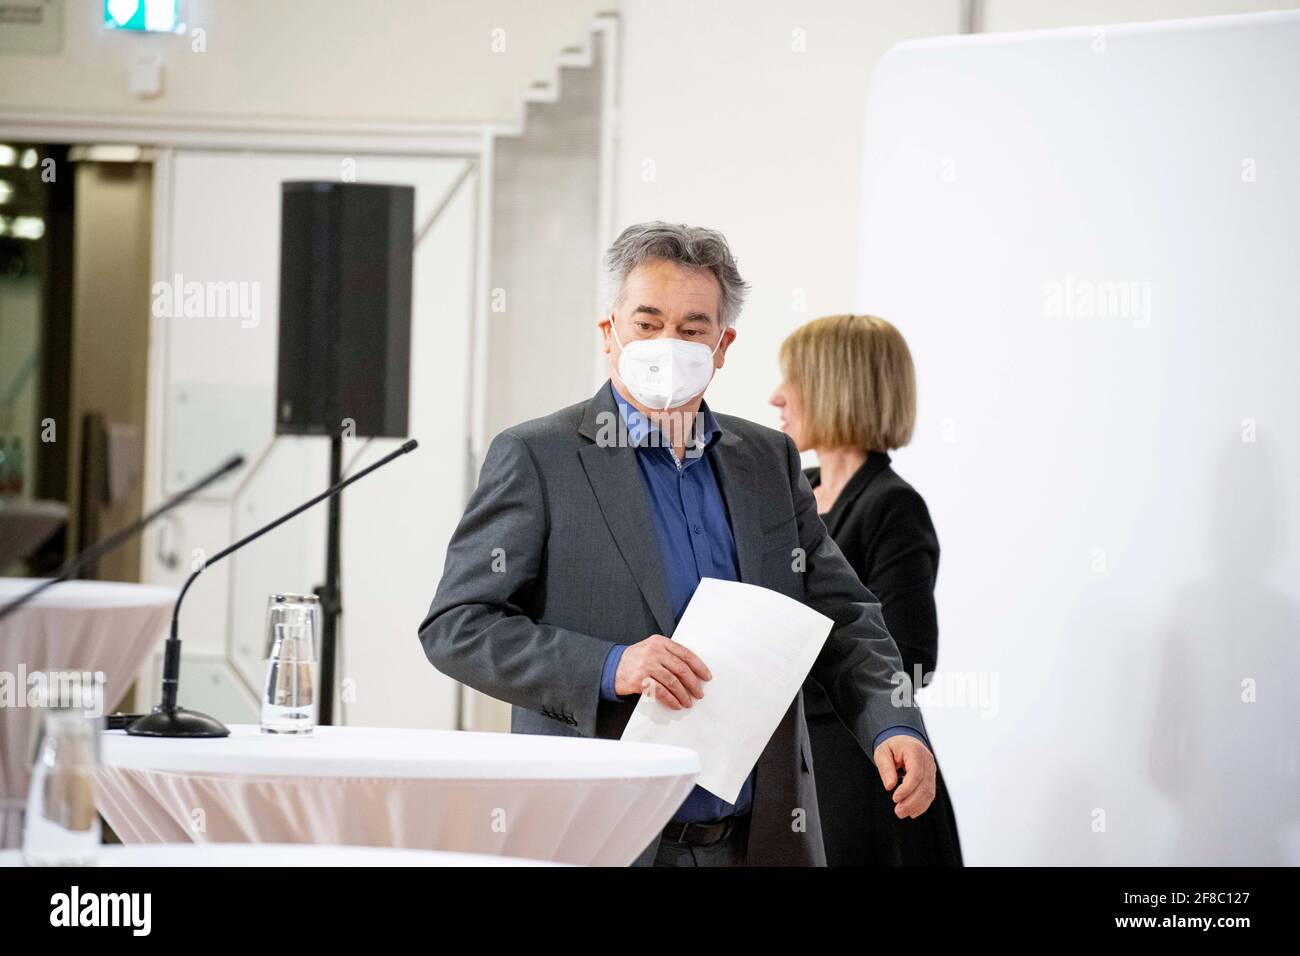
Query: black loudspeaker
{"points": [[345, 308]]}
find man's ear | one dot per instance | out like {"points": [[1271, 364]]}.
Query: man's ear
{"points": [[728, 337], [606, 338]]}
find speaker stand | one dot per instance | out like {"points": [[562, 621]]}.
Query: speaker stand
{"points": [[331, 593]]}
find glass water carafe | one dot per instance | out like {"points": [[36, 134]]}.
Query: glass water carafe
{"points": [[289, 705], [61, 826]]}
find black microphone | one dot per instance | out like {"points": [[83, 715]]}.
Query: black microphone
{"points": [[168, 720], [117, 538]]}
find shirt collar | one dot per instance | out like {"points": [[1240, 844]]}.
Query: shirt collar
{"points": [[639, 428]]}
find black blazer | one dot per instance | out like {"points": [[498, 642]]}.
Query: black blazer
{"points": [[883, 527]]}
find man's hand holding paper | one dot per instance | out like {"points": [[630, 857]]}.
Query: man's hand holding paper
{"points": [[760, 646]]}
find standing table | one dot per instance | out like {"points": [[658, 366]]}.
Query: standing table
{"points": [[562, 799], [84, 626]]}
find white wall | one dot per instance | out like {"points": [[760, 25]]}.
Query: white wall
{"points": [[1116, 482], [426, 60]]}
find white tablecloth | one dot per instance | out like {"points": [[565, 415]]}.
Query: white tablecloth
{"points": [[268, 854], [564, 799], [82, 626]]}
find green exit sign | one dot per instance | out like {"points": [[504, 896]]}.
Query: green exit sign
{"points": [[143, 16]]}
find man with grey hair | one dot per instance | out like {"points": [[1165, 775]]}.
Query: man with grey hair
{"points": [[610, 512]]}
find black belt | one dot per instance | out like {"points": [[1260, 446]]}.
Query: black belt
{"points": [[704, 834]]}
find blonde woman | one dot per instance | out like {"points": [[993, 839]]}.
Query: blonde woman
{"points": [[848, 392]]}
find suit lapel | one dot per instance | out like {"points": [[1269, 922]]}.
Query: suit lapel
{"points": [[616, 480], [734, 466]]}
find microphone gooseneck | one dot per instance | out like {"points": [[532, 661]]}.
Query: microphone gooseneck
{"points": [[168, 720]]}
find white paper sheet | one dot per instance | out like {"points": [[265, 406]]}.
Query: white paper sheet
{"points": [[759, 646]]}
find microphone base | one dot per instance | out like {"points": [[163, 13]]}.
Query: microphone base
{"points": [[178, 722]]}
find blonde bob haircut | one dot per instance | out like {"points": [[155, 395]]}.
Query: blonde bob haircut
{"points": [[855, 382]]}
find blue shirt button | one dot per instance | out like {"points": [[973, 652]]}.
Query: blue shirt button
{"points": [[698, 530]]}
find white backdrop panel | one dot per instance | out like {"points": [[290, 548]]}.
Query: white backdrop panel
{"points": [[1090, 239]]}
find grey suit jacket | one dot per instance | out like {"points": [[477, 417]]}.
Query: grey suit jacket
{"points": [[556, 560]]}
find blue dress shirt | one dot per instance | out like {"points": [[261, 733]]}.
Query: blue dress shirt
{"points": [[695, 541]]}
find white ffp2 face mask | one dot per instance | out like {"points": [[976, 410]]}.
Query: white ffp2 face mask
{"points": [[665, 372]]}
